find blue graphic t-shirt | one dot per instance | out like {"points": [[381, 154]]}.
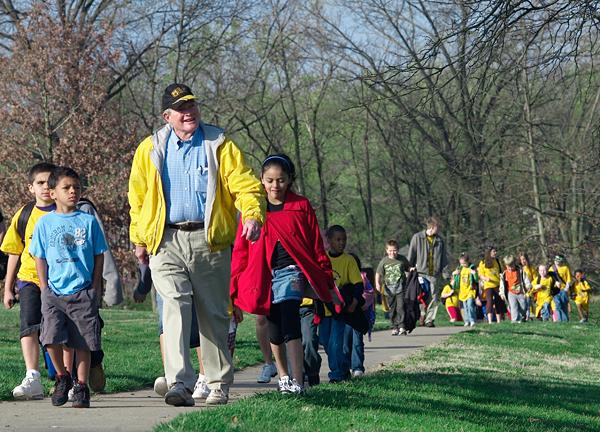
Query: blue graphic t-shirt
{"points": [[68, 242]]}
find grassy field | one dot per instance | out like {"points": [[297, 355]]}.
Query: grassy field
{"points": [[529, 377]]}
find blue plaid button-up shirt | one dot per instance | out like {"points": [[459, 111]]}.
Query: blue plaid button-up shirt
{"points": [[185, 178]]}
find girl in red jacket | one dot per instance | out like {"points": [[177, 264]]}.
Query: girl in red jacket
{"points": [[288, 262]]}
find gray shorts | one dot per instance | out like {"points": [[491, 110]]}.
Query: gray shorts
{"points": [[72, 320]]}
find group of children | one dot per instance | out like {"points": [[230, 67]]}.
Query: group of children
{"points": [[492, 290], [311, 294], [516, 289], [55, 265]]}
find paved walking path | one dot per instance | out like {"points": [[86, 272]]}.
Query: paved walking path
{"points": [[141, 410]]}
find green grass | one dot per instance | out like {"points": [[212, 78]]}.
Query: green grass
{"points": [[130, 342], [529, 377]]}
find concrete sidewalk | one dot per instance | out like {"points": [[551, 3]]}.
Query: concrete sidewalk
{"points": [[141, 410]]}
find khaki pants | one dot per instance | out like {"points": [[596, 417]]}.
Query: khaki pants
{"points": [[181, 267]]}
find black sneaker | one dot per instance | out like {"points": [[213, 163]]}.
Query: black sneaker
{"points": [[81, 395], [61, 390], [430, 324]]}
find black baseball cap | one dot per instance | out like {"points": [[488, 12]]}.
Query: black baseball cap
{"points": [[176, 95]]}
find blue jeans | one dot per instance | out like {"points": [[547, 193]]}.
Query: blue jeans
{"points": [[561, 301], [354, 349], [546, 312], [470, 312], [331, 336]]}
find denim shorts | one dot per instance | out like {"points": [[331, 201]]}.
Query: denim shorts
{"points": [[288, 284]]}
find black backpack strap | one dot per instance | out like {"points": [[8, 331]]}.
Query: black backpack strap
{"points": [[23, 219]]}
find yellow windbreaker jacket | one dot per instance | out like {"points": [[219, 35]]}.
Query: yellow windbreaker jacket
{"points": [[231, 187]]}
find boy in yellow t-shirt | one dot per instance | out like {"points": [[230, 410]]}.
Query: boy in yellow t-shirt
{"points": [[562, 273], [542, 286], [466, 280], [26, 281], [582, 288], [333, 333]]}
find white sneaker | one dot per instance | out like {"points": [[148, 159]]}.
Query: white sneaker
{"points": [[466, 324], [30, 388], [357, 373], [201, 390], [71, 395], [268, 371], [472, 324], [288, 386], [160, 386], [217, 397], [402, 331]]}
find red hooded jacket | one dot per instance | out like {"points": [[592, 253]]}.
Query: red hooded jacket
{"points": [[296, 228]]}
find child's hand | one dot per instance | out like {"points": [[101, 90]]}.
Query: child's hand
{"points": [[455, 272], [9, 298], [238, 314]]}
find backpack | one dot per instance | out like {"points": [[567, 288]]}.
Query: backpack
{"points": [[28, 208]]}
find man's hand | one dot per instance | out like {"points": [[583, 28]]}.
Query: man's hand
{"points": [[141, 253], [251, 230], [9, 298]]}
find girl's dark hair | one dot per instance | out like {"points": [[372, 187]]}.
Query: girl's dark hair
{"points": [[333, 229], [60, 172], [487, 257], [282, 161], [524, 254]]}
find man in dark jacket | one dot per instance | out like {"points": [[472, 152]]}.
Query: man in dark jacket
{"points": [[427, 254]]}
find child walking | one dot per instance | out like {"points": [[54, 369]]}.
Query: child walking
{"points": [[466, 280], [25, 279], [542, 287], [68, 247], [489, 277], [513, 285], [450, 298], [390, 281], [332, 329], [288, 262], [581, 290]]}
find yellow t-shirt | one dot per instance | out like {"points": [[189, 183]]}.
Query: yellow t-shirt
{"points": [[493, 273], [453, 299], [581, 290], [531, 273], [345, 271], [12, 244], [565, 274], [543, 293], [465, 290]]}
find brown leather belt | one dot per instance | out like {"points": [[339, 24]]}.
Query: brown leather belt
{"points": [[187, 226]]}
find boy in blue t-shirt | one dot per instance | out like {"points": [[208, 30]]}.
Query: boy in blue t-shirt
{"points": [[68, 247]]}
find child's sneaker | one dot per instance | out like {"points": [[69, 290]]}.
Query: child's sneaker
{"points": [[81, 395], [60, 396], [472, 324], [295, 388], [395, 332], [268, 371], [290, 386], [30, 387], [357, 373], [201, 390], [284, 384], [71, 395], [217, 397], [402, 331]]}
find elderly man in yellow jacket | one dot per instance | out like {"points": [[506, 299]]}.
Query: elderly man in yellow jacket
{"points": [[187, 183]]}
